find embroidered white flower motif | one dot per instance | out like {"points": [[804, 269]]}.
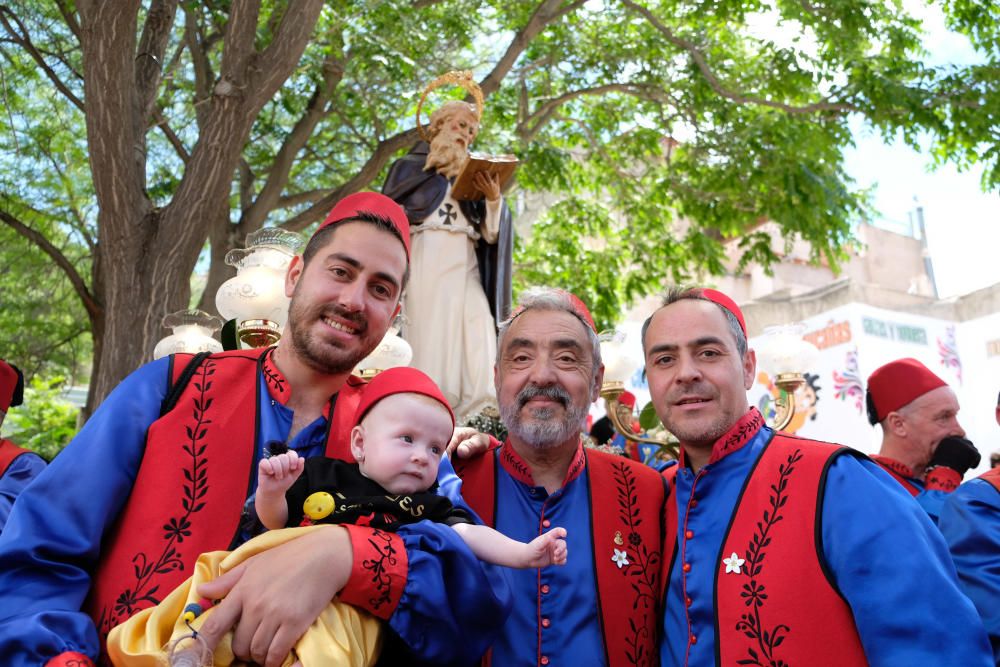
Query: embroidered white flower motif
{"points": [[620, 558], [733, 563]]}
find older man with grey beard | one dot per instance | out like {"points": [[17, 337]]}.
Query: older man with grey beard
{"points": [[460, 262], [600, 609]]}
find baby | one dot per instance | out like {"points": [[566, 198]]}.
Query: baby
{"points": [[401, 429], [403, 425]]}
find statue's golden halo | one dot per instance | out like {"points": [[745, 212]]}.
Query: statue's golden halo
{"points": [[456, 78]]}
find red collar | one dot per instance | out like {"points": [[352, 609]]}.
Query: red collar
{"points": [[895, 466], [517, 468], [738, 435], [280, 390], [277, 386]]}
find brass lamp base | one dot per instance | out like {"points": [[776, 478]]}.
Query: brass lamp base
{"points": [[784, 405], [621, 418], [258, 333]]}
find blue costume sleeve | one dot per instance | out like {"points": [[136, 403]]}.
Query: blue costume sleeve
{"points": [[21, 470], [970, 523], [872, 526], [453, 606], [53, 538], [931, 500]]}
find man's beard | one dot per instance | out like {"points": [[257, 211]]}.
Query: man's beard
{"points": [[322, 356], [544, 431], [446, 155]]}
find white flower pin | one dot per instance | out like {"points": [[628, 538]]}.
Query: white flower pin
{"points": [[620, 558], [733, 563]]}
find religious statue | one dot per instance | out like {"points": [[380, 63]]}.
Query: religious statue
{"points": [[460, 260]]}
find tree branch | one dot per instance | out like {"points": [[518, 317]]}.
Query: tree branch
{"points": [[24, 40], [175, 141], [89, 302], [379, 158], [284, 159], [545, 14], [149, 54], [69, 17], [716, 84], [530, 126]]}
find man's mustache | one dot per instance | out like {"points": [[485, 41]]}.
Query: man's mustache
{"points": [[553, 392]]}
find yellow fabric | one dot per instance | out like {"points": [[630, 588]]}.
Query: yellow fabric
{"points": [[342, 635]]}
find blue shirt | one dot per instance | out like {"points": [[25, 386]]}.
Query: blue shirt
{"points": [[889, 562], [555, 608], [52, 541]]}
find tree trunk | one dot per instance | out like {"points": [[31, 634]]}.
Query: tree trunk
{"points": [[145, 255]]}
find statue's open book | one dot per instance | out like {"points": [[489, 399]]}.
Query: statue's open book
{"points": [[501, 165]]}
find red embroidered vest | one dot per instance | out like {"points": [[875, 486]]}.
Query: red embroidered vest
{"points": [[993, 477], [628, 598], [775, 602], [8, 452], [195, 475]]}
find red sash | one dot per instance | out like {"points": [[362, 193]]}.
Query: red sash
{"points": [[627, 597], [8, 452], [993, 477], [195, 475], [780, 607]]}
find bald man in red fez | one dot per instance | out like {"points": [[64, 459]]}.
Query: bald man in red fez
{"points": [[18, 466], [923, 445], [783, 550], [166, 469]]}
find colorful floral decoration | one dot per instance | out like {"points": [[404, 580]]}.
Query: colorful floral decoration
{"points": [[948, 351], [847, 384]]}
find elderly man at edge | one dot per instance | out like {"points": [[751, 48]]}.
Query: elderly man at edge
{"points": [[923, 445], [157, 477], [600, 608], [784, 550]]}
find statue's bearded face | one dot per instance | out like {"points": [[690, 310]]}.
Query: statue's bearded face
{"points": [[453, 130]]}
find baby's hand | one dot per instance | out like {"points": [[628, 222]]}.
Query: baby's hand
{"points": [[549, 548], [277, 473]]}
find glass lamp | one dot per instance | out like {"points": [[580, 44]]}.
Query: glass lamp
{"points": [[784, 355], [192, 332], [393, 351], [255, 296]]}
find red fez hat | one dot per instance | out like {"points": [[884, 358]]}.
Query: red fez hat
{"points": [[576, 306], [715, 296], [627, 399], [896, 384], [373, 203], [399, 380], [11, 386]]}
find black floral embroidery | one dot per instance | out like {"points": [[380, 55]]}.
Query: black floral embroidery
{"points": [[144, 592], [381, 542], [272, 377], [515, 463], [740, 436], [642, 567], [753, 594]]}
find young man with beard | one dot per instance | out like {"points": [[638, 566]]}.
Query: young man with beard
{"points": [[601, 608], [923, 445], [461, 261], [157, 477], [783, 550]]}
